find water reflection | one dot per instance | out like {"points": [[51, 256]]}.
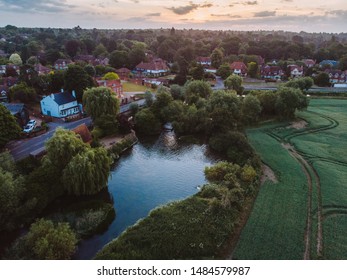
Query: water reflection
{"points": [[154, 172]]}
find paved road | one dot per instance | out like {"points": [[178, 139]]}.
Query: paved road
{"points": [[22, 148]]}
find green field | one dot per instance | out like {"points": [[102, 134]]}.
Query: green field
{"points": [[304, 215]]}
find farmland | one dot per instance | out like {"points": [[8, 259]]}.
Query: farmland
{"points": [[303, 215]]}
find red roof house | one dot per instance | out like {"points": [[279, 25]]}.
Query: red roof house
{"points": [[157, 67], [239, 68]]}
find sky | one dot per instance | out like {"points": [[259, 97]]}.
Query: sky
{"points": [[289, 15]]}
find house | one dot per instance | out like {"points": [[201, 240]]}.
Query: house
{"points": [[101, 61], [271, 72], [2, 69], [20, 111], [123, 73], [3, 93], [337, 76], [62, 64], [42, 70], [210, 70], [295, 71], [60, 105], [204, 61], [328, 63], [157, 67], [10, 81], [239, 68], [83, 131], [114, 85], [309, 63]]}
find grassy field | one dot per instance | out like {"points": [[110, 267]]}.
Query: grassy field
{"points": [[131, 87], [304, 214]]}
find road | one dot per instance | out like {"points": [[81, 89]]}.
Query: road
{"points": [[22, 148]]}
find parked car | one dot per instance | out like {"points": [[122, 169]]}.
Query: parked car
{"points": [[32, 122], [28, 128]]}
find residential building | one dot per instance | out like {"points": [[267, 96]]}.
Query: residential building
{"points": [[62, 64], [42, 70], [309, 63], [271, 72], [123, 73], [60, 105], [204, 61], [3, 93], [114, 85], [337, 76], [295, 71], [20, 111], [238, 68], [328, 63], [157, 67]]}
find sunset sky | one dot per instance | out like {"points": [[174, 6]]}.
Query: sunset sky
{"points": [[290, 15]]}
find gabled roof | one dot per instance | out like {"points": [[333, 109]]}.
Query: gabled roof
{"points": [[14, 108], [63, 97], [329, 62], [205, 59], [123, 70], [238, 65], [155, 64]]}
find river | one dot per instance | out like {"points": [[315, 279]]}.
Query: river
{"points": [[153, 173]]}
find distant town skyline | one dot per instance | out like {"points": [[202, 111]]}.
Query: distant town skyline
{"points": [[288, 15]]}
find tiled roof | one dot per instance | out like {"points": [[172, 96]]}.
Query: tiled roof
{"points": [[156, 64], [238, 65], [203, 59]]}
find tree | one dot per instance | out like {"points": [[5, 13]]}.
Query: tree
{"points": [[177, 92], [301, 83], [72, 47], [147, 123], [224, 71], [288, 100], [163, 99], [267, 102], [100, 51], [23, 93], [136, 55], [77, 79], [90, 69], [119, 59], [149, 98], [322, 79], [103, 106], [252, 69], [56, 81], [45, 241], [11, 192], [224, 110], [110, 76], [250, 109], [343, 63], [195, 90], [216, 58], [234, 82], [15, 59], [197, 72], [87, 173], [9, 128], [62, 147]]}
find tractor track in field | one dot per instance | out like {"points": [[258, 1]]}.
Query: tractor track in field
{"points": [[305, 160]]}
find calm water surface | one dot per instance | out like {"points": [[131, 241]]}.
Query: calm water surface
{"points": [[153, 173]]}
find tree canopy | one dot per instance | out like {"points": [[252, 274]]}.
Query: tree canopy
{"points": [[9, 128]]}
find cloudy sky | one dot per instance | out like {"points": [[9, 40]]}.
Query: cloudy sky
{"points": [[291, 15]]}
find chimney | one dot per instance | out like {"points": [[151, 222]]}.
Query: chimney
{"points": [[52, 96], [61, 90], [73, 93]]}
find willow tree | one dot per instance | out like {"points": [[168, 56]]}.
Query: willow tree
{"points": [[62, 147], [87, 173], [103, 107]]}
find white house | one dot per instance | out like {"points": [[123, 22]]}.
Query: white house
{"points": [[60, 105], [157, 67]]}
